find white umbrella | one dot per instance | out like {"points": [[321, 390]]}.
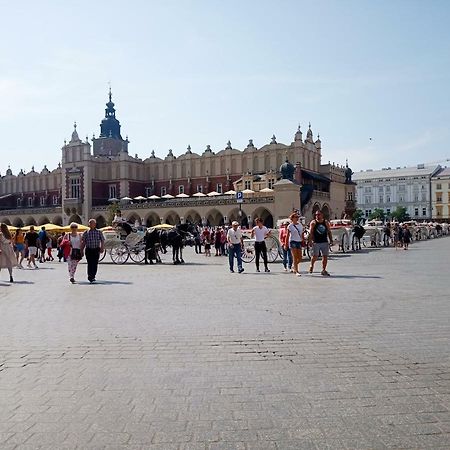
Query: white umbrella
{"points": [[167, 196], [230, 192], [126, 199], [199, 194], [113, 199], [140, 197], [266, 190], [154, 197], [248, 191], [182, 195], [213, 194]]}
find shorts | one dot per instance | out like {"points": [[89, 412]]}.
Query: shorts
{"points": [[32, 251], [295, 244], [20, 247], [321, 248]]}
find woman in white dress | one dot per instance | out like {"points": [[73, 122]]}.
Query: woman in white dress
{"points": [[7, 256], [71, 245]]}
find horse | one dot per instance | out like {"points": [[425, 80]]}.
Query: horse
{"points": [[358, 233], [176, 238]]}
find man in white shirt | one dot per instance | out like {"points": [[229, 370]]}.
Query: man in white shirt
{"points": [[235, 245], [260, 232]]}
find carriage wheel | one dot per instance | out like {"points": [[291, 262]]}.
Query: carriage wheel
{"points": [[344, 243], [248, 253], [120, 254], [377, 239], [137, 254], [102, 256], [272, 249], [355, 244]]}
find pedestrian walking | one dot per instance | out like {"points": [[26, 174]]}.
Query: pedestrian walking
{"points": [[60, 253], [259, 233], [320, 236], [235, 244], [295, 238], [287, 254], [206, 237], [406, 236], [31, 243], [218, 241], [42, 244], [71, 246], [19, 247], [8, 258], [92, 244]]}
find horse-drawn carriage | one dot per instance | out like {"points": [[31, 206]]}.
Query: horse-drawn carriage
{"points": [[122, 243], [374, 231]]}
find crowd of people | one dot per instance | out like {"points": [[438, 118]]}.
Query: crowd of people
{"points": [[32, 246], [35, 247]]}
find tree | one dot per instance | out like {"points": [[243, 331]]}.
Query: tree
{"points": [[400, 214], [358, 215], [112, 211], [377, 213]]}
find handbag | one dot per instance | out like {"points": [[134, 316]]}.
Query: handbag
{"points": [[75, 254]]}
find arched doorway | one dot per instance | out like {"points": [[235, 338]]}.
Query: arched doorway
{"points": [[214, 218], [43, 221], [6, 221], [30, 221], [193, 217], [326, 211], [57, 220], [132, 218], [101, 221], [172, 218], [241, 218], [151, 220], [265, 215], [75, 218], [18, 222]]}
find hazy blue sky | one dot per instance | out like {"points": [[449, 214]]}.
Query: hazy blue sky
{"points": [[202, 72]]}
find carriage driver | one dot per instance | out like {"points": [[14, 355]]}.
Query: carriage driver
{"points": [[319, 234]]}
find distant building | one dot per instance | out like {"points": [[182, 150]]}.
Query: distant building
{"points": [[89, 178], [440, 195], [387, 189]]}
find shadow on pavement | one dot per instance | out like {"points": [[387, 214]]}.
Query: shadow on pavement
{"points": [[103, 282], [351, 276], [22, 282]]}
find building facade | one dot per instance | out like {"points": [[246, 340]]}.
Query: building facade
{"points": [[92, 174], [440, 195], [387, 189]]}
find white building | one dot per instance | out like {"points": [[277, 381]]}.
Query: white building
{"points": [[409, 187], [440, 195]]}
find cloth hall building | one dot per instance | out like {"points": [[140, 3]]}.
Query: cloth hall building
{"points": [[92, 174]]}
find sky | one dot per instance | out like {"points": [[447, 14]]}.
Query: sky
{"points": [[372, 77]]}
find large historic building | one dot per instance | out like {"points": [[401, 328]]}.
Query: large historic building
{"points": [[409, 187], [92, 175]]}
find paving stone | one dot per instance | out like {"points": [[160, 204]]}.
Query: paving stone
{"points": [[168, 361]]}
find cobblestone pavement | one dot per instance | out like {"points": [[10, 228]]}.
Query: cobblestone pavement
{"points": [[193, 357]]}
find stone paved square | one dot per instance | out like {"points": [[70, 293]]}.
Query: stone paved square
{"points": [[193, 357]]}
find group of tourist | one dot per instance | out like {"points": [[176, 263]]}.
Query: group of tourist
{"points": [[293, 239], [32, 246]]}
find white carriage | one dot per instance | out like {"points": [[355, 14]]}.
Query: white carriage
{"points": [[341, 230], [121, 247], [374, 232]]}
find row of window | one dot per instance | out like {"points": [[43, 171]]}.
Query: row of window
{"points": [[367, 212], [401, 199], [400, 188], [439, 186], [42, 201]]}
